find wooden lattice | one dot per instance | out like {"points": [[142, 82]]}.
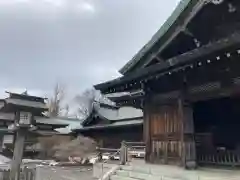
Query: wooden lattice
{"points": [[205, 87]]}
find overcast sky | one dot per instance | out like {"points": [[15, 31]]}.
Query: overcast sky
{"points": [[76, 42]]}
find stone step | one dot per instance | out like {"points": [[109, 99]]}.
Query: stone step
{"points": [[165, 172], [122, 173], [160, 171], [117, 177], [149, 172], [137, 175], [140, 169], [144, 176]]}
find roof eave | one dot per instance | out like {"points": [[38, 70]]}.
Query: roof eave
{"points": [[105, 127], [178, 61], [171, 22]]}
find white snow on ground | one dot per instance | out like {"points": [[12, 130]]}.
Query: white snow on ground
{"points": [[93, 160], [4, 160], [4, 163], [38, 161]]}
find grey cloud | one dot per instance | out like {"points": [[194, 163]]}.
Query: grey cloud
{"points": [[40, 45]]}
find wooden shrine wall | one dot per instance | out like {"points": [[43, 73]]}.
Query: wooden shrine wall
{"points": [[169, 133], [112, 137], [165, 134]]}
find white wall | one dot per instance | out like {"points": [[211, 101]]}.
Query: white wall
{"points": [[129, 112], [7, 139]]}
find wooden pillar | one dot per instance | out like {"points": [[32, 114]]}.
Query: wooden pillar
{"points": [[1, 142], [123, 153], [14, 137], [147, 136], [146, 103], [17, 154], [188, 141]]}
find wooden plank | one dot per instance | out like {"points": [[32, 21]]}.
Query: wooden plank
{"points": [[173, 136], [165, 134], [165, 156]]}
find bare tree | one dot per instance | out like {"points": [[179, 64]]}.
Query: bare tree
{"points": [[55, 102], [88, 100], [66, 110], [85, 103]]}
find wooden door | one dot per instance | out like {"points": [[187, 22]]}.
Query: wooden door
{"points": [[166, 134]]}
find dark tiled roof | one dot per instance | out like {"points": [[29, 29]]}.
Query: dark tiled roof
{"points": [[173, 63], [26, 103], [50, 121], [133, 122]]}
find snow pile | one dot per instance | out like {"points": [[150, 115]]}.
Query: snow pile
{"points": [[4, 160]]}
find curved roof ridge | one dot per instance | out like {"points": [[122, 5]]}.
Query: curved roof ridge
{"points": [[171, 23]]}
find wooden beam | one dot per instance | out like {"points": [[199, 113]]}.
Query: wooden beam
{"points": [[176, 136], [218, 93], [181, 119], [179, 29], [165, 98], [187, 122], [159, 59], [186, 59]]}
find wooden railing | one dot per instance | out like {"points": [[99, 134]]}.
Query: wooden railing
{"points": [[127, 149], [208, 154], [135, 149], [226, 158], [114, 152], [124, 152]]}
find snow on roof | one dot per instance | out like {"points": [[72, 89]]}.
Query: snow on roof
{"points": [[73, 123], [115, 124], [121, 113]]}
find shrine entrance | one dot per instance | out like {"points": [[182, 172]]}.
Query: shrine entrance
{"points": [[217, 131]]}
